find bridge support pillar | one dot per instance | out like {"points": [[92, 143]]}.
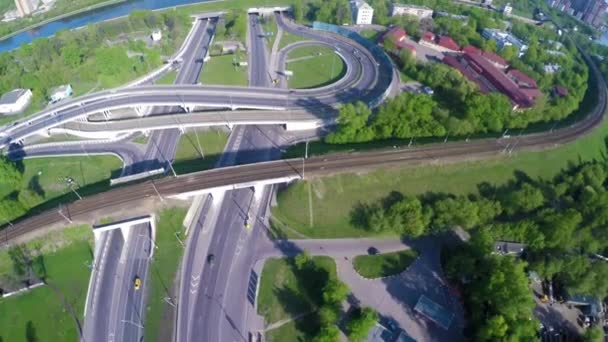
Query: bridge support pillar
{"points": [[141, 110], [258, 190]]}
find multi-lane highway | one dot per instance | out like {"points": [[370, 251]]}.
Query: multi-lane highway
{"points": [[115, 307], [209, 309]]}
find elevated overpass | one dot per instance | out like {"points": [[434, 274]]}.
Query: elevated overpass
{"points": [[292, 120], [363, 82]]}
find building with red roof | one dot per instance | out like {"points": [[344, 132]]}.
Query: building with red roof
{"points": [[398, 36], [484, 73], [498, 61], [522, 79], [495, 59], [441, 43], [448, 43], [472, 49]]}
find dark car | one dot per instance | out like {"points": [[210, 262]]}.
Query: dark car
{"points": [[211, 259], [372, 251]]}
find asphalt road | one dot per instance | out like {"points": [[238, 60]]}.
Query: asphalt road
{"points": [[162, 145], [212, 302], [123, 307], [115, 309]]}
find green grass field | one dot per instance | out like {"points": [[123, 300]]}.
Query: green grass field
{"points": [[322, 68], [334, 198], [270, 26], [384, 265], [141, 139], [291, 331], [221, 70], [163, 269], [45, 177], [43, 312], [288, 38], [285, 292], [168, 78], [189, 157]]}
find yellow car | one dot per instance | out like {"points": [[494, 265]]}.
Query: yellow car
{"points": [[137, 283]]}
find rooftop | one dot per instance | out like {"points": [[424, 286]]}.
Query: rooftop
{"points": [[448, 43], [61, 88], [12, 96], [505, 247], [412, 6]]}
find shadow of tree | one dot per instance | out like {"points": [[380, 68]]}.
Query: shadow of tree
{"points": [[30, 332], [34, 185]]}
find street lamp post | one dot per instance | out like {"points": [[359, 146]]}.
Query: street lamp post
{"points": [[70, 184]]}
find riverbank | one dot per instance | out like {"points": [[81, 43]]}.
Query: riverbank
{"points": [[63, 16]]}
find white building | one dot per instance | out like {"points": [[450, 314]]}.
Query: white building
{"points": [[421, 12], [157, 35], [507, 10], [15, 101], [61, 92], [362, 12], [503, 39]]}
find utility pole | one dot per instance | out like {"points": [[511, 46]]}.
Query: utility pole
{"points": [[70, 184], [200, 148], [158, 193], [63, 215]]}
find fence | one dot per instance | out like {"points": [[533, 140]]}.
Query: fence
{"points": [[385, 65]]}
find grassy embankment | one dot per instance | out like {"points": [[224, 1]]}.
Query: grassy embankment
{"points": [[286, 293], [199, 153], [222, 70], [168, 78], [44, 179], [45, 313], [314, 66], [384, 265]]}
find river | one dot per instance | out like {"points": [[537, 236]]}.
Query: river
{"points": [[86, 18]]}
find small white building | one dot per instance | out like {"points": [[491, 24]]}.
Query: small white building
{"points": [[61, 92], [362, 12], [420, 12], [507, 10], [15, 101], [157, 35]]}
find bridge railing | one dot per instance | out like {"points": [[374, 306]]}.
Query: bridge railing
{"points": [[385, 65]]}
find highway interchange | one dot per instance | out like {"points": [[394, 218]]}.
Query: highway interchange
{"points": [[212, 301]]}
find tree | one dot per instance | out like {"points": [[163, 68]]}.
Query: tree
{"points": [[298, 10], [523, 200], [359, 325], [303, 260], [407, 216], [72, 55], [328, 314], [594, 334], [327, 333], [335, 292], [352, 125], [10, 177], [495, 329]]}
